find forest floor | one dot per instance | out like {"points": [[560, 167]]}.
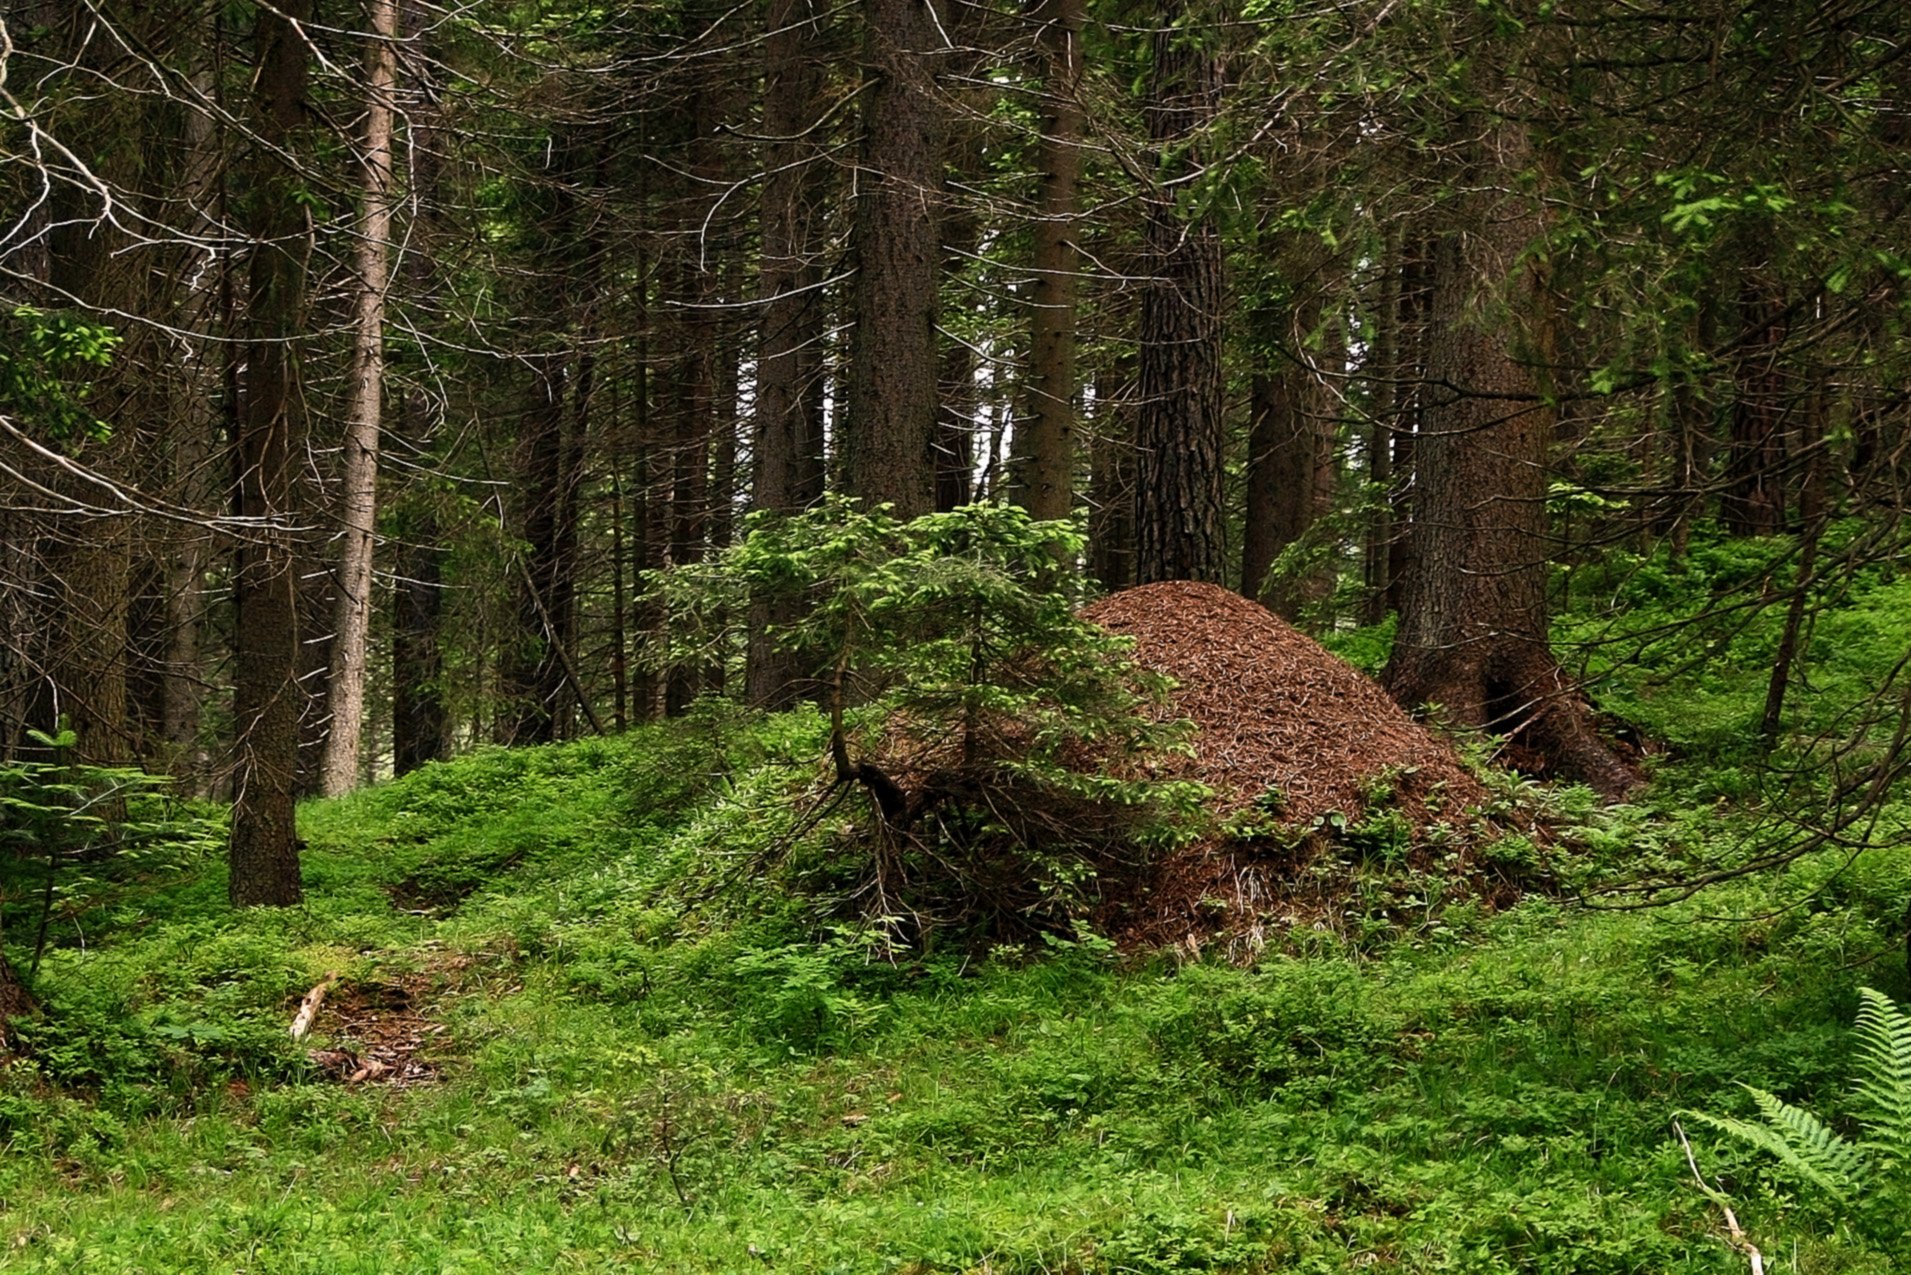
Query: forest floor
{"points": [[570, 1027]]}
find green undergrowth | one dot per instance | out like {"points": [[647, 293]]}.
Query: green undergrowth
{"points": [[657, 1055]]}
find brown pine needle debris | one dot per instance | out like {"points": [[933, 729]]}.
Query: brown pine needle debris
{"points": [[1283, 725]]}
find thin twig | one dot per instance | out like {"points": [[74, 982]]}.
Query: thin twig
{"points": [[1712, 1193]]}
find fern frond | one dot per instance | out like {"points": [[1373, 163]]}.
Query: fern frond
{"points": [[1801, 1142], [1884, 1075]]}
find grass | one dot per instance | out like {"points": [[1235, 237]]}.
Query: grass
{"points": [[655, 1058]]}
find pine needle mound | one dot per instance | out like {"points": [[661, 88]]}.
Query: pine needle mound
{"points": [[1283, 727], [1274, 708]]}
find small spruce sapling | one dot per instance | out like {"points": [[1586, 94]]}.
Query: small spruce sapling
{"points": [[1003, 742]]}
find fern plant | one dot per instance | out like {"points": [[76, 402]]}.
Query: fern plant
{"points": [[1868, 1178]]}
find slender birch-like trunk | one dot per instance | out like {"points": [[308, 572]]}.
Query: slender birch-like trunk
{"points": [[358, 493]]}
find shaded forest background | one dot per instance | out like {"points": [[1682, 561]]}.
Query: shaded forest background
{"points": [[360, 361]]}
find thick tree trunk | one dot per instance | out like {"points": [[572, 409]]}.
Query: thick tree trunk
{"points": [[271, 441], [1473, 622], [788, 426], [88, 553], [365, 392], [183, 600], [787, 472], [1180, 432], [888, 436], [1046, 486]]}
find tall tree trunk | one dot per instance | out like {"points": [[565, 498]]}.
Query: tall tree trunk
{"points": [[267, 697], [1289, 449], [1812, 510], [365, 392], [1753, 500], [957, 401], [1383, 382], [888, 435], [787, 430], [421, 720], [180, 453], [1410, 399], [1047, 444], [649, 496], [88, 554], [531, 667], [318, 593], [1180, 433], [421, 726], [558, 677], [1111, 479], [693, 396], [619, 585], [1473, 621]]}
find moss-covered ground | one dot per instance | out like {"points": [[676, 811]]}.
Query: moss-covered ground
{"points": [[655, 1057]]}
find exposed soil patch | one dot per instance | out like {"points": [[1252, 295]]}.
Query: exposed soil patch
{"points": [[1288, 731], [379, 1033]]}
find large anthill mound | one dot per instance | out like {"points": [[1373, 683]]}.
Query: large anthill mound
{"points": [[1287, 734]]}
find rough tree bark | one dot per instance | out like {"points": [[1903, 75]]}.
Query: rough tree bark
{"points": [[421, 723], [179, 453], [1046, 433], [192, 427], [364, 402], [87, 555], [267, 698], [890, 421], [1180, 433], [787, 465], [1473, 615]]}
